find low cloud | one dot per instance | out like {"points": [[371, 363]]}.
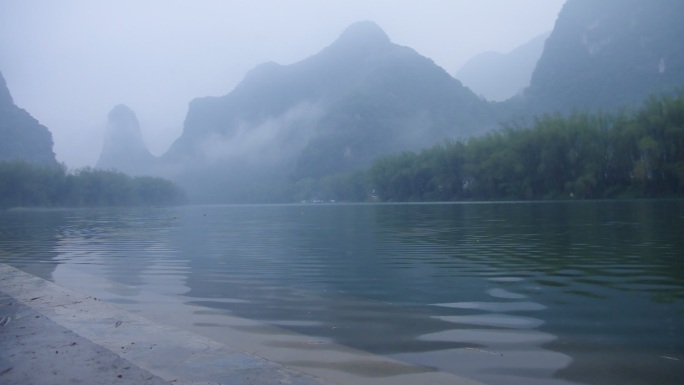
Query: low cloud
{"points": [[268, 143]]}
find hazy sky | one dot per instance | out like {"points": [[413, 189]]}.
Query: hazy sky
{"points": [[69, 62]]}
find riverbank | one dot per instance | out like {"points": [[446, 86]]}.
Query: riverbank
{"points": [[53, 335]]}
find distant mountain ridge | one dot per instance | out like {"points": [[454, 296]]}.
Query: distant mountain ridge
{"points": [[353, 65], [499, 76], [357, 99], [123, 148], [22, 137]]}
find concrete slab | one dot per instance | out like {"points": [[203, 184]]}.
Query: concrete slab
{"points": [[35, 350], [112, 339], [52, 335]]}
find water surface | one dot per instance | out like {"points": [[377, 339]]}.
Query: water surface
{"points": [[504, 293]]}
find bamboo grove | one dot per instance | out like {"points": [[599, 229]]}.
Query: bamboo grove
{"points": [[630, 154]]}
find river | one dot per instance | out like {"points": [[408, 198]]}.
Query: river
{"points": [[502, 293]]}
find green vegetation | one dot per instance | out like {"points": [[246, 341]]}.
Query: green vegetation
{"points": [[29, 185], [638, 154]]}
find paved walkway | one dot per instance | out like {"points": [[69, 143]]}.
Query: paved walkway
{"points": [[52, 335]]}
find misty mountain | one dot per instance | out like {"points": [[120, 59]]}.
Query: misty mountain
{"points": [[499, 76], [610, 53], [359, 98], [22, 137], [289, 129], [123, 147]]}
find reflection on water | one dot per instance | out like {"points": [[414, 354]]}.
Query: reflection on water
{"points": [[496, 320], [496, 306], [552, 293], [504, 348]]}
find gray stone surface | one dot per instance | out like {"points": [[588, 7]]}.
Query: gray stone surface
{"points": [[35, 350], [55, 335], [52, 335]]}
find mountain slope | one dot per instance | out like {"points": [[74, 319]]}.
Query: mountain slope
{"points": [[22, 137], [359, 98], [606, 54]]}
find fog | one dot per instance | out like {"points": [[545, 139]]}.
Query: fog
{"points": [[68, 63], [265, 144]]}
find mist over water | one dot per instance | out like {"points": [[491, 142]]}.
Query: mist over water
{"points": [[504, 293]]}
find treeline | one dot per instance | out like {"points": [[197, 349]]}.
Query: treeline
{"points": [[30, 185], [632, 154]]}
